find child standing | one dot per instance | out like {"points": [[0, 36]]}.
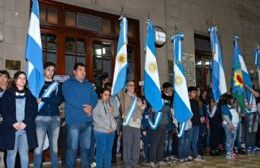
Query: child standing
{"points": [[230, 124]]}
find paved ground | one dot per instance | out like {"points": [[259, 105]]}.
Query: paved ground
{"points": [[244, 161]]}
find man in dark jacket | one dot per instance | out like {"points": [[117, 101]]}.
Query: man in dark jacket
{"points": [[80, 100], [195, 121], [48, 119]]}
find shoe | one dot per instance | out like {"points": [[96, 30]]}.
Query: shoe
{"points": [[198, 158], [181, 160], [162, 163], [190, 158], [93, 165], [231, 157], [249, 150], [152, 164], [167, 159], [173, 158], [241, 151]]}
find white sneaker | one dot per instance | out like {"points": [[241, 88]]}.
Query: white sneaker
{"points": [[93, 165], [162, 163], [198, 158], [152, 164]]}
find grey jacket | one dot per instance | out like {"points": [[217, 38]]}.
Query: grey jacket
{"points": [[103, 118]]}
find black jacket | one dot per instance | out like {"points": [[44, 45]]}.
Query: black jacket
{"points": [[8, 109], [195, 108]]}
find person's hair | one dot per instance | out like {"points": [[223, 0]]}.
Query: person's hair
{"points": [[47, 64], [129, 81], [4, 72], [226, 98], [166, 85], [16, 75], [192, 88], [105, 89], [78, 65]]}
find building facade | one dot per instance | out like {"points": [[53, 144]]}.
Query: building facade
{"points": [[87, 31]]}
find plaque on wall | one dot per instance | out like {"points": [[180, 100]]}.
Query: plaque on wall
{"points": [[13, 65]]}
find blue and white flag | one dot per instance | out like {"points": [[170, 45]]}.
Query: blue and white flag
{"points": [[120, 71], [33, 52], [257, 57], [181, 100], [152, 89], [250, 99], [219, 85]]}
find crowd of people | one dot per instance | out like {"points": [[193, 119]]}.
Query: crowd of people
{"points": [[77, 114]]}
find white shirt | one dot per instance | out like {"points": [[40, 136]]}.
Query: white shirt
{"points": [[235, 117]]}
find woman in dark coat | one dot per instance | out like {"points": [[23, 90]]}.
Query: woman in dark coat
{"points": [[18, 132]]}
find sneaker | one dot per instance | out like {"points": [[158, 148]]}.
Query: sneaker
{"points": [[188, 159], [231, 157], [255, 149], [234, 155], [93, 165], [249, 150], [162, 163], [173, 159], [167, 159], [198, 158], [152, 164], [181, 160]]}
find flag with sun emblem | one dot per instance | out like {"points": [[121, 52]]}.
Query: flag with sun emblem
{"points": [[152, 90], [119, 78], [219, 85], [181, 100], [237, 82]]}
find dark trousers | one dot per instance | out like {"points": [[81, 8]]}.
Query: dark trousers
{"points": [[157, 144], [216, 135], [114, 148], [131, 146]]}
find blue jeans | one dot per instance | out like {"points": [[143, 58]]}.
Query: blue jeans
{"points": [[194, 139], [168, 143], [104, 142], [21, 145], [184, 144], [238, 136], [49, 125], [147, 142], [230, 138], [78, 134]]}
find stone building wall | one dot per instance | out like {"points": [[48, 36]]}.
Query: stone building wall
{"points": [[190, 16]]}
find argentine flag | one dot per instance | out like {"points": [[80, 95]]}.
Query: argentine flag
{"points": [[152, 90], [33, 53], [181, 100], [219, 85], [119, 79]]}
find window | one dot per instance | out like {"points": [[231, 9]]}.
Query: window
{"points": [[75, 52], [49, 47], [102, 60], [48, 15], [203, 58]]}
